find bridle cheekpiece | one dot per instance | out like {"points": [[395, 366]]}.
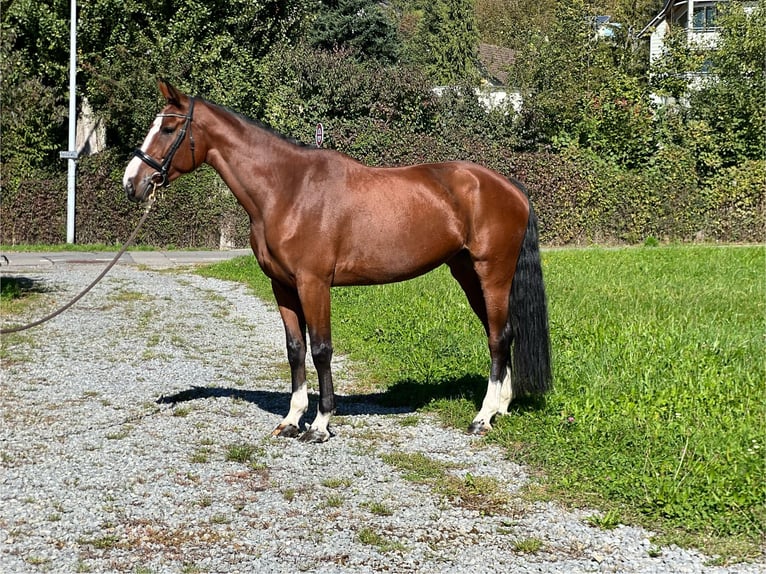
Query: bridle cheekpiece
{"points": [[160, 177]]}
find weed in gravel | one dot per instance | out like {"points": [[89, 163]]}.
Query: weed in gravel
{"points": [[416, 467], [16, 348], [100, 543], [120, 434], [483, 494], [607, 521], [480, 493], [19, 294], [220, 519], [129, 296], [378, 508], [527, 545], [409, 421], [181, 411], [244, 453], [336, 482], [372, 538], [334, 501]]}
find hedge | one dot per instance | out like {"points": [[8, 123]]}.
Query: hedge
{"points": [[579, 199]]}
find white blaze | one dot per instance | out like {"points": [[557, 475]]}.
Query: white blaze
{"points": [[133, 166]]}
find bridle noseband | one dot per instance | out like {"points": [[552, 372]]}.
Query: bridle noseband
{"points": [[160, 177]]}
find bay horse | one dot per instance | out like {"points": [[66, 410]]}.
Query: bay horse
{"points": [[320, 219]]}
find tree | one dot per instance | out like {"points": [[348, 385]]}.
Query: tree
{"points": [[510, 22], [717, 94], [583, 91], [212, 48], [34, 58], [731, 101], [556, 72], [446, 42], [361, 25], [305, 85]]}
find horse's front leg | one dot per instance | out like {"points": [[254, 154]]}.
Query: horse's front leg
{"points": [[295, 335], [315, 301]]}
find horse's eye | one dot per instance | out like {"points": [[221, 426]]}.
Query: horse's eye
{"points": [[168, 130]]}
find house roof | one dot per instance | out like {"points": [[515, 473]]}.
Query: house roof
{"points": [[659, 17], [496, 60]]}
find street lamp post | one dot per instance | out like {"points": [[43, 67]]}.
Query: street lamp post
{"points": [[71, 154]]}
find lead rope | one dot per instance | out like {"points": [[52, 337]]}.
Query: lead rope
{"points": [[131, 239]]}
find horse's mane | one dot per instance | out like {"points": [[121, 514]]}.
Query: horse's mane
{"points": [[258, 124]]}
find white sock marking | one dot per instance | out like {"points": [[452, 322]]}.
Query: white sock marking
{"points": [[299, 402], [321, 423], [496, 401]]}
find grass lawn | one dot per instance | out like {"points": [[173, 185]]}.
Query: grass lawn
{"points": [[660, 370]]}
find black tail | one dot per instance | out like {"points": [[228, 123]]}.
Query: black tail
{"points": [[530, 354]]}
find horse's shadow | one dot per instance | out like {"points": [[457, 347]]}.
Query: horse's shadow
{"points": [[404, 396]]}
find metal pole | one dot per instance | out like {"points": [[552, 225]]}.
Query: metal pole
{"points": [[72, 167]]}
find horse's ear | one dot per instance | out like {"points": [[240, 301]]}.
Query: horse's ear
{"points": [[172, 95]]}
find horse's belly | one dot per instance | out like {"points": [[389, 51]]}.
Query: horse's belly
{"points": [[389, 255]]}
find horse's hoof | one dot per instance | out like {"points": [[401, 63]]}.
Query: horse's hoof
{"points": [[287, 431], [478, 428], [314, 436]]}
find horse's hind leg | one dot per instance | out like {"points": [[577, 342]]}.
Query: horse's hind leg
{"points": [[499, 389], [490, 304], [488, 286]]}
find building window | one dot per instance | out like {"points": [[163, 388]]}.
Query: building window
{"points": [[704, 17]]}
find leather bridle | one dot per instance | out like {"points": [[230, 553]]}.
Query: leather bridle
{"points": [[160, 177]]}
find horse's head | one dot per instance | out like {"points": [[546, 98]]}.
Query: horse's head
{"points": [[168, 150]]}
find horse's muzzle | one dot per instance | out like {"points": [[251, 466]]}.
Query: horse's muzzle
{"points": [[138, 195]]}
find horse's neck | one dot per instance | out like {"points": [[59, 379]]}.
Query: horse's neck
{"points": [[247, 157]]}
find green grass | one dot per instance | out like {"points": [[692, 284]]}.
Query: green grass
{"points": [[18, 294], [658, 410]]}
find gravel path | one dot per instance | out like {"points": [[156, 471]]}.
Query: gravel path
{"points": [[135, 438]]}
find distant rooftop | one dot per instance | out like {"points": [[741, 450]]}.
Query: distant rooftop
{"points": [[496, 60]]}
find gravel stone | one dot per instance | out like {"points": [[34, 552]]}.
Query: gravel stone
{"points": [[118, 422]]}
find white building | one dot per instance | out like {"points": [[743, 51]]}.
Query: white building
{"points": [[697, 17]]}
